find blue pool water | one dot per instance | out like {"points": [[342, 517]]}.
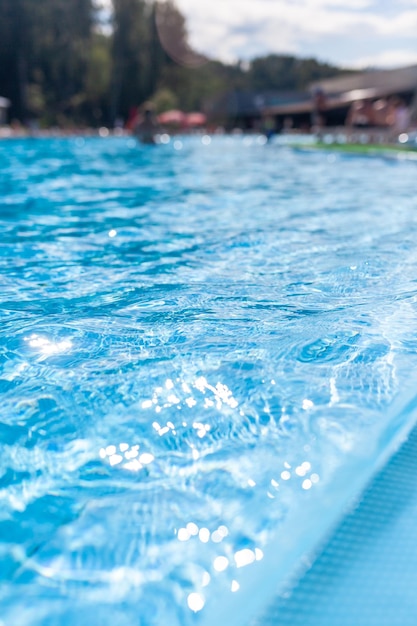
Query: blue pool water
{"points": [[206, 348]]}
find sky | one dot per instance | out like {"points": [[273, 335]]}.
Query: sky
{"points": [[346, 33]]}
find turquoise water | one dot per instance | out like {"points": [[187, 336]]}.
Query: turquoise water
{"points": [[203, 346]]}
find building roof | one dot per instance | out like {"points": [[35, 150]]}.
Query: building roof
{"points": [[343, 90], [384, 82]]}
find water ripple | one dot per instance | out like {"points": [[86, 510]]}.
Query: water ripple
{"points": [[192, 342]]}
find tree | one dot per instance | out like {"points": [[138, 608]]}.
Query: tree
{"points": [[14, 53], [286, 73], [68, 61], [97, 82], [129, 50], [173, 35], [61, 37], [150, 53], [44, 48], [164, 100]]}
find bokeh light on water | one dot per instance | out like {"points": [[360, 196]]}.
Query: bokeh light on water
{"points": [[194, 343]]}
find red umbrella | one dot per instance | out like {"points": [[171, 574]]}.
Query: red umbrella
{"points": [[172, 117], [196, 119]]}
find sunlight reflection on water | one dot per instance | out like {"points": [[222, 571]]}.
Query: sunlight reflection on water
{"points": [[195, 339]]}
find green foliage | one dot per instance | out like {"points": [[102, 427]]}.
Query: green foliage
{"points": [[129, 50], [165, 100], [98, 79], [286, 73], [45, 55], [70, 61], [195, 87]]}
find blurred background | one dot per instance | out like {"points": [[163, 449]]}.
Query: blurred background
{"points": [[94, 63], [66, 62]]}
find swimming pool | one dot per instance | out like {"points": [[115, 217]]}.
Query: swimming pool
{"points": [[207, 348]]}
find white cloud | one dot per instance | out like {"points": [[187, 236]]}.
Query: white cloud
{"points": [[388, 59], [403, 24], [353, 33], [232, 29]]}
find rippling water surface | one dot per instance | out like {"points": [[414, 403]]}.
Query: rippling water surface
{"points": [[196, 338]]}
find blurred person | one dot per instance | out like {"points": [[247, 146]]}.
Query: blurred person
{"points": [[401, 121], [132, 119], [360, 114], [318, 119], [398, 117], [288, 124], [413, 111], [269, 128], [147, 127], [380, 112]]}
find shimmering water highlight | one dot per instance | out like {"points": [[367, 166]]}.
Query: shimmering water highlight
{"points": [[196, 339]]}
